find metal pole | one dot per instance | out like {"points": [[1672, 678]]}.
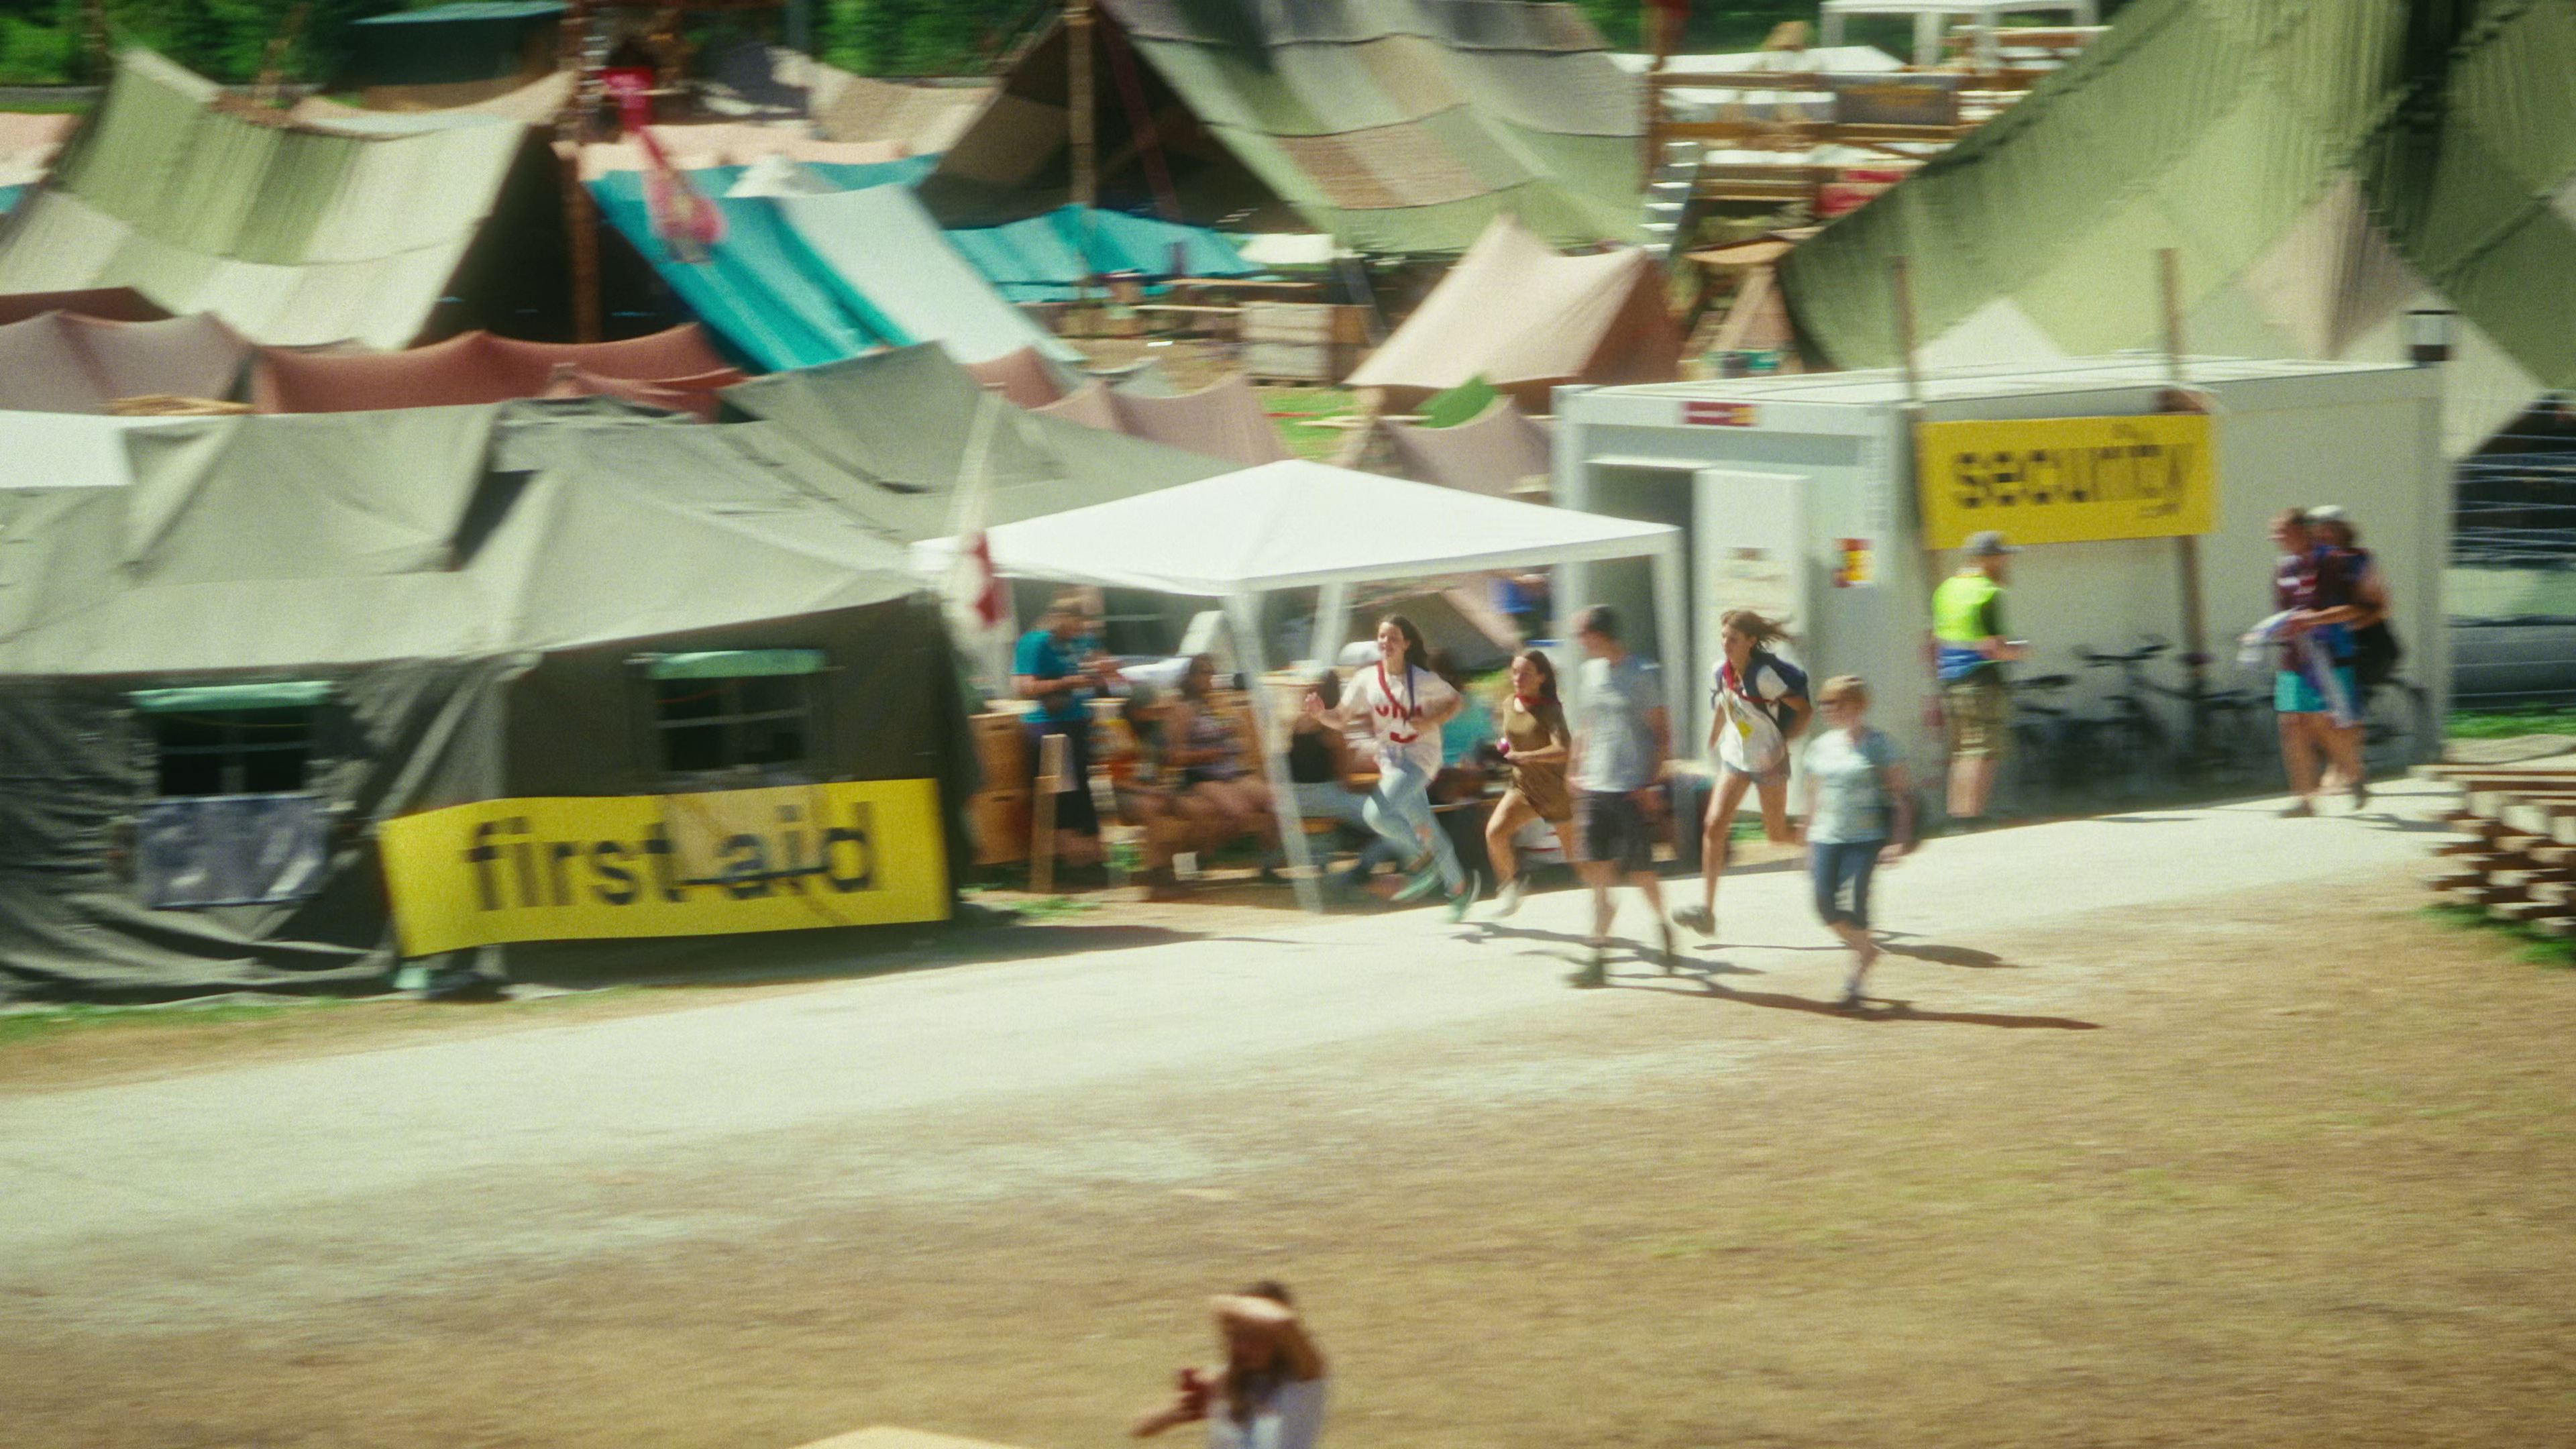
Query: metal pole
{"points": [[2195, 634], [581, 219], [1079, 140], [1900, 283], [1246, 619]]}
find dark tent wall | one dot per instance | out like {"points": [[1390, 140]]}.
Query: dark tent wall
{"points": [[77, 766], [886, 709]]}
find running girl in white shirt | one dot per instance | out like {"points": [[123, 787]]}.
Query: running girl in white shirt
{"points": [[1758, 703], [1405, 704]]}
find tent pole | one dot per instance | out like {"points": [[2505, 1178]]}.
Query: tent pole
{"points": [[1332, 623], [2195, 633], [1240, 611]]}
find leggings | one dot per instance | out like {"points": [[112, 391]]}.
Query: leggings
{"points": [[1839, 863], [1400, 810]]}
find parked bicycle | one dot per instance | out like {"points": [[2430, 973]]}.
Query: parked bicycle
{"points": [[2397, 727], [2227, 734]]}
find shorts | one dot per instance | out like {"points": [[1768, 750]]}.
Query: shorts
{"points": [[1978, 714], [1841, 870], [2293, 692], [1775, 773], [1612, 829]]}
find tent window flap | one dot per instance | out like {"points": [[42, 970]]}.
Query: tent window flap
{"points": [[735, 664], [270, 694]]}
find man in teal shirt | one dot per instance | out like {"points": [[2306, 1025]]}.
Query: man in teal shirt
{"points": [[1046, 668]]}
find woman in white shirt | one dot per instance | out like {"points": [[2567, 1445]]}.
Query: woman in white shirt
{"points": [[1405, 704], [1269, 1392], [1757, 705]]}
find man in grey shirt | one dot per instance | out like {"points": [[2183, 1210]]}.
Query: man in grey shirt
{"points": [[1621, 735]]}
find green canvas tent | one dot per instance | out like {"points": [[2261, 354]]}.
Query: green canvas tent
{"points": [[311, 225], [910, 424], [2321, 168], [1397, 126], [234, 692]]}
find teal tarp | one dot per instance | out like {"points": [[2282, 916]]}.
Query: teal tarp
{"points": [[780, 302], [758, 288]]}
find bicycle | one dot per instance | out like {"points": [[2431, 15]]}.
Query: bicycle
{"points": [[2130, 749], [2397, 728], [2045, 765]]}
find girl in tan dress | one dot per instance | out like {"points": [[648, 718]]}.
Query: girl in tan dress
{"points": [[1536, 742]]}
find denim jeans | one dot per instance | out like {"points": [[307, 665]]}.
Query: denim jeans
{"points": [[1836, 864], [1400, 811]]}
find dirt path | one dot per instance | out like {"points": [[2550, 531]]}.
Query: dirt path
{"points": [[2153, 1169]]}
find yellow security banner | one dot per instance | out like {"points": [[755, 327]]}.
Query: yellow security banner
{"points": [[856, 853], [2068, 480]]}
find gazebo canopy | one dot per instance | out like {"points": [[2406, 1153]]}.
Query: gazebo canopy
{"points": [[1304, 525]]}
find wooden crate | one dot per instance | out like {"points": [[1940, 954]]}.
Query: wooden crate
{"points": [[1297, 361], [1000, 821], [1002, 745]]}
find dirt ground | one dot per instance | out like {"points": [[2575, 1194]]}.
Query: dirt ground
{"points": [[2238, 1189]]}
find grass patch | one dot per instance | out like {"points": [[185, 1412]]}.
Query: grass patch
{"points": [[41, 1023], [1053, 908], [1299, 411], [2505, 724], [2535, 948]]}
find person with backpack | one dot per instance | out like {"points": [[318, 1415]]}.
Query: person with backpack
{"points": [[1758, 704], [2375, 650], [2314, 692]]}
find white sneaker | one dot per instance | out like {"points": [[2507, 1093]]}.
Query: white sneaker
{"points": [[1508, 899]]}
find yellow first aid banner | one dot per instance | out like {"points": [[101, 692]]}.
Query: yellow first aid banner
{"points": [[2068, 480], [858, 853]]}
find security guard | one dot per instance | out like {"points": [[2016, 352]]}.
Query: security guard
{"points": [[1968, 628]]}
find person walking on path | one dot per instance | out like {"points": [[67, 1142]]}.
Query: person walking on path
{"points": [[1860, 814], [1046, 668], [2314, 691], [1268, 1394], [1536, 743], [1620, 742], [2375, 651], [1971, 651], [1758, 706], [1405, 703]]}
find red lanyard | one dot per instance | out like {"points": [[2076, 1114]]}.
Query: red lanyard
{"points": [[1411, 705]]}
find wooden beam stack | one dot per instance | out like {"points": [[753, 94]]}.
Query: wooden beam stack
{"points": [[2515, 851]]}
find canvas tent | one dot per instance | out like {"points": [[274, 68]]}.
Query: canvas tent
{"points": [[63, 363], [1398, 126], [477, 367], [912, 424], [2321, 169], [1525, 319], [321, 225], [1225, 419], [1499, 451], [1244, 534], [228, 689]]}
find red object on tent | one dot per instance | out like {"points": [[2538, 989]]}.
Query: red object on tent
{"points": [[991, 603], [686, 221]]}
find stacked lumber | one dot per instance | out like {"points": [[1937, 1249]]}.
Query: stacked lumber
{"points": [[2514, 851]]}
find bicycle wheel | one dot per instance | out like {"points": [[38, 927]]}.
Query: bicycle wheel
{"points": [[2243, 745], [2397, 730], [2140, 761]]}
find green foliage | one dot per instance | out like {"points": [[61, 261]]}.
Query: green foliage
{"points": [[918, 37], [2505, 724], [31, 52]]}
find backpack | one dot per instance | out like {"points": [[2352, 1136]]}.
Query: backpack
{"points": [[2375, 652], [1792, 679]]}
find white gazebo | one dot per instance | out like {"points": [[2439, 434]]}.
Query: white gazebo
{"points": [[1300, 525]]}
